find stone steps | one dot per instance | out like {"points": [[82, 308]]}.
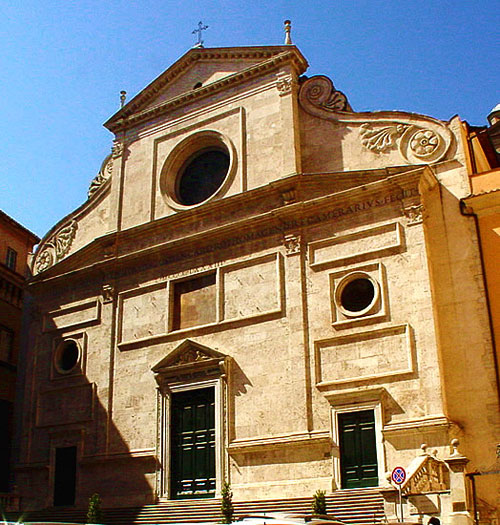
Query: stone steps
{"points": [[354, 507]]}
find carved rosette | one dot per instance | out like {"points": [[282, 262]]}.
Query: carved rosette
{"points": [[414, 214], [419, 139], [293, 243], [55, 248], [415, 144], [102, 177], [284, 84]]}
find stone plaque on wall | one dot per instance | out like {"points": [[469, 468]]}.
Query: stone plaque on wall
{"points": [[143, 312], [364, 356], [65, 405], [251, 288]]}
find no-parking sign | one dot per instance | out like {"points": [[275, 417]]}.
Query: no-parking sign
{"points": [[398, 475]]}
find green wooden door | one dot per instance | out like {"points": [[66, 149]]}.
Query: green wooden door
{"points": [[193, 444], [358, 452]]}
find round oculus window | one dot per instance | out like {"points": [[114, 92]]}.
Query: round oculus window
{"points": [[67, 356], [202, 175], [199, 168], [357, 294]]}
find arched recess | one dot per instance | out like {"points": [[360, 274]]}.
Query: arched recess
{"points": [[191, 421]]}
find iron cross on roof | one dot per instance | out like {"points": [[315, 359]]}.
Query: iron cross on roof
{"points": [[201, 28]]}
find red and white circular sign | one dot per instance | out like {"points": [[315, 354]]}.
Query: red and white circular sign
{"points": [[398, 475]]}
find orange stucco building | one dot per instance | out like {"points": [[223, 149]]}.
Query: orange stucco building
{"points": [[484, 204], [483, 163], [16, 243]]}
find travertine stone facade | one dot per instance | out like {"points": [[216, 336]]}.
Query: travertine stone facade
{"points": [[327, 277]]}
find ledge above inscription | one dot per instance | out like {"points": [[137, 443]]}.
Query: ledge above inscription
{"points": [[73, 315], [431, 423], [242, 446], [357, 246]]}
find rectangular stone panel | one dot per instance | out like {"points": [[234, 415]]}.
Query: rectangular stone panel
{"points": [[65, 406], [143, 312], [251, 287], [194, 301], [364, 356], [72, 315], [353, 247]]}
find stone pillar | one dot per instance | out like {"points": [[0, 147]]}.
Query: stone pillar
{"points": [[457, 463], [391, 503]]}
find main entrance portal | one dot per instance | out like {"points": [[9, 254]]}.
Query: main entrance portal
{"points": [[358, 451], [193, 444]]}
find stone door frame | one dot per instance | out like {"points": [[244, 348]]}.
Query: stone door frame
{"points": [[374, 405], [164, 420]]}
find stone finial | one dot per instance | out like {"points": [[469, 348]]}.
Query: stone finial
{"points": [[454, 447], [423, 448], [456, 461], [123, 97], [288, 30]]}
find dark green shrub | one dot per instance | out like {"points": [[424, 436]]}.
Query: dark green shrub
{"points": [[227, 509], [94, 514], [319, 502]]}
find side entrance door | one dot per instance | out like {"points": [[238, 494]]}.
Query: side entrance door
{"points": [[65, 476], [193, 444], [358, 451]]}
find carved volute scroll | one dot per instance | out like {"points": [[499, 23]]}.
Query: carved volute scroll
{"points": [[102, 177], [418, 138], [319, 92], [55, 247]]}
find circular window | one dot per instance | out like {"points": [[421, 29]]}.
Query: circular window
{"points": [[67, 356], [357, 294], [202, 176], [198, 169]]}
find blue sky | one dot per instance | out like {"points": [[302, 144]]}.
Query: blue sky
{"points": [[63, 64]]}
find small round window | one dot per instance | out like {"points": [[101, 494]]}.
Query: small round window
{"points": [[357, 294], [198, 169], [202, 175], [67, 356]]}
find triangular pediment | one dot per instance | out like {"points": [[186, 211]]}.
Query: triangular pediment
{"points": [[187, 354], [209, 69], [200, 74]]}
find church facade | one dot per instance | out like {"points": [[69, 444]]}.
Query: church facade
{"points": [[264, 287]]}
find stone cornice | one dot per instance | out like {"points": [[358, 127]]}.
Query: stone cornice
{"points": [[121, 248], [431, 423], [272, 56], [299, 439]]}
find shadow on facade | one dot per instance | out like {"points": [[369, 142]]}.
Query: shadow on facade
{"points": [[69, 447]]}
